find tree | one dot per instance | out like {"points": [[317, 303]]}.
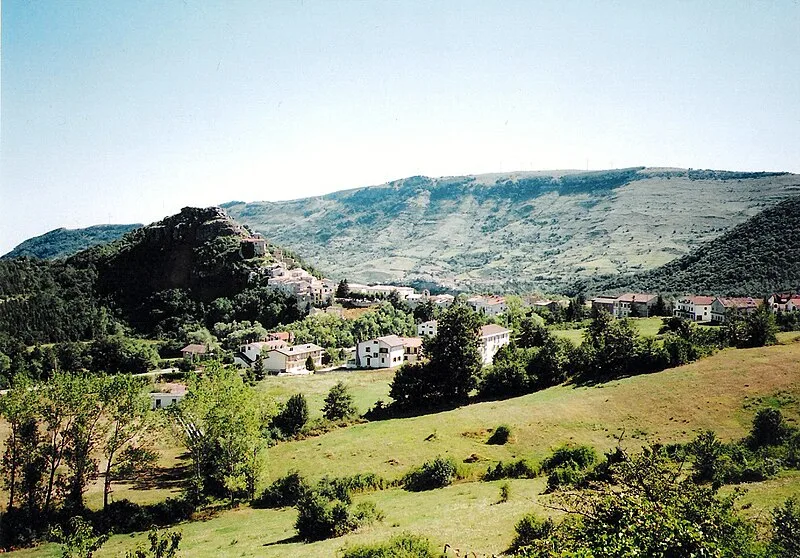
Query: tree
{"points": [[339, 403], [259, 372], [608, 349], [425, 312], [532, 333], [769, 428], [310, 366], [343, 290], [453, 368], [221, 420], [127, 411], [294, 415], [785, 541]]}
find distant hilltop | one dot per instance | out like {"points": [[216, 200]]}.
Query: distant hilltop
{"points": [[60, 243]]}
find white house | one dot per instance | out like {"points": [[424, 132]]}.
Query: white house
{"points": [[383, 352], [442, 300], [247, 353], [427, 328], [292, 360], [721, 306], [695, 308], [779, 303], [489, 305], [492, 338], [167, 395]]}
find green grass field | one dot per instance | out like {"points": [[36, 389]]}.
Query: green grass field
{"points": [[721, 393], [644, 326]]}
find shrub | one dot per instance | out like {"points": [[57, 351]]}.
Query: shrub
{"points": [[437, 473], [500, 435], [505, 492], [285, 491], [578, 457], [402, 546], [769, 428], [338, 403], [519, 469], [294, 415], [785, 541], [319, 517], [530, 529], [566, 475]]}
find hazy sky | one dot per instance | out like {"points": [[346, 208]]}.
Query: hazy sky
{"points": [[121, 111]]}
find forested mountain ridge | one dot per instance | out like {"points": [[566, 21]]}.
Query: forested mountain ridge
{"points": [[755, 258], [184, 271], [61, 242], [515, 231]]}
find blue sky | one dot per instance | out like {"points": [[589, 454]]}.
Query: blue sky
{"points": [[118, 111]]}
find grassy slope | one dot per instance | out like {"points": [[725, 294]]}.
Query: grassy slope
{"points": [[502, 232], [754, 258], [721, 392]]}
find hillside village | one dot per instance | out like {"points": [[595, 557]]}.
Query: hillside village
{"points": [[210, 366]]}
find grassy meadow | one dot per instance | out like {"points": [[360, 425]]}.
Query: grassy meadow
{"points": [[721, 392]]}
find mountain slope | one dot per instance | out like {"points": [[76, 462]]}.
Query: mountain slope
{"points": [[61, 243], [184, 271], [515, 231], [755, 258]]}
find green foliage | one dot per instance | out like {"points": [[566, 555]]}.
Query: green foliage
{"points": [[438, 473], [343, 289], [61, 243], [748, 260], [531, 529], [320, 517], [162, 545], [221, 419], [769, 428], [294, 415], [505, 492], [519, 469], [80, 540], [500, 435], [401, 546], [647, 509], [785, 541], [285, 491], [580, 457], [452, 370], [339, 403]]}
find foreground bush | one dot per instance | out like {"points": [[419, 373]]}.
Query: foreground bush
{"points": [[438, 473], [578, 457], [530, 529], [402, 546], [319, 517], [646, 510]]}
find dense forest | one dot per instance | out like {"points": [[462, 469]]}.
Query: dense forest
{"points": [[755, 258], [61, 243]]}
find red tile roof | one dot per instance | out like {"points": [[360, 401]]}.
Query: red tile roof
{"points": [[493, 329], [700, 300], [195, 348], [636, 297]]}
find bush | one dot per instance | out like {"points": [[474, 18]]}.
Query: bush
{"points": [[520, 469], [500, 435], [530, 529], [567, 475], [319, 517], [769, 428], [785, 541], [438, 473], [402, 546], [338, 403], [294, 415], [578, 457], [285, 491]]}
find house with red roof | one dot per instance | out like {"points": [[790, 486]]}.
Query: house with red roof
{"points": [[722, 307]]}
